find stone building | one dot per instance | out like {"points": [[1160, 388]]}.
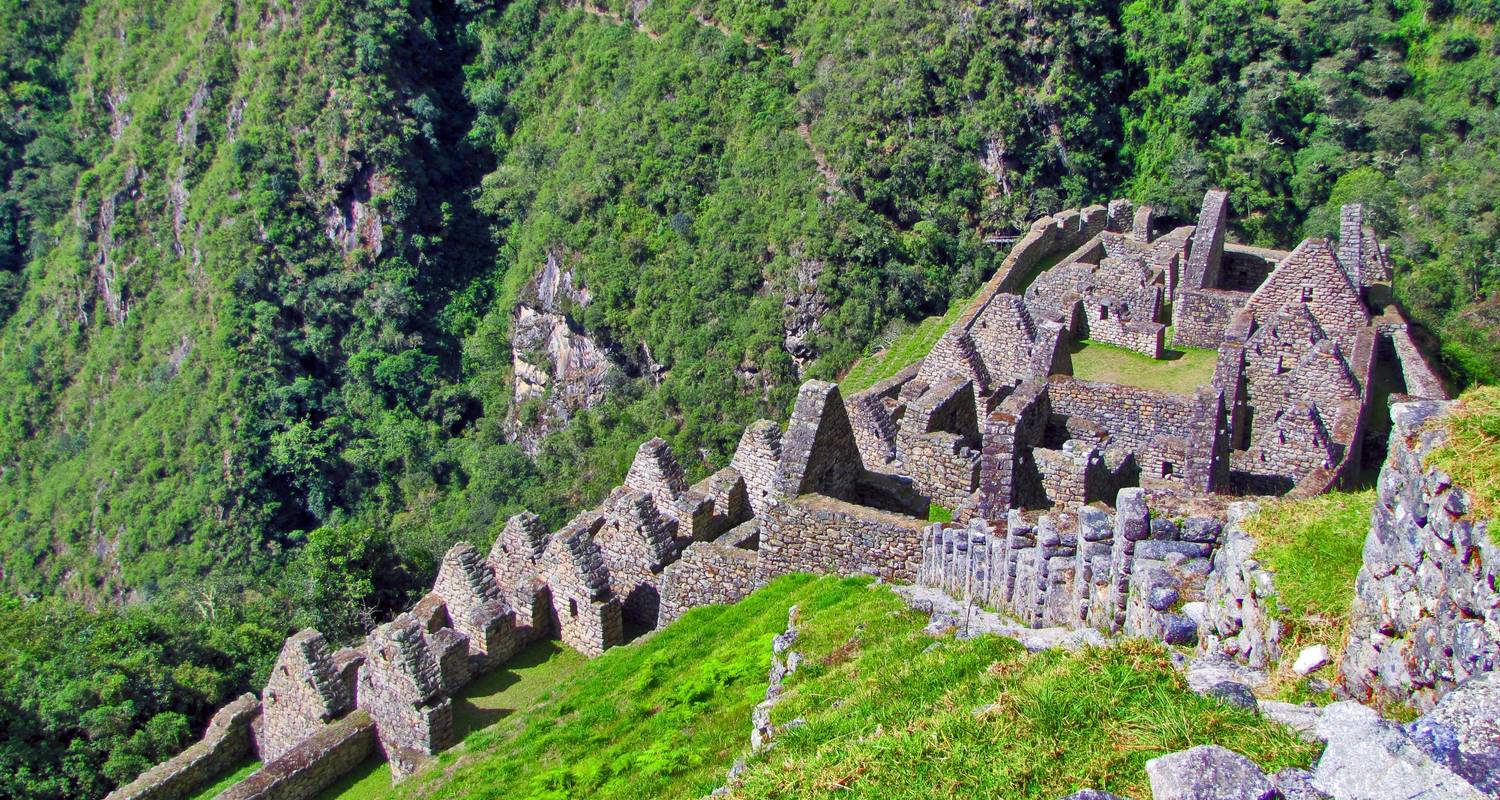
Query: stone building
{"points": [[1297, 335], [1064, 493], [303, 694], [402, 687]]}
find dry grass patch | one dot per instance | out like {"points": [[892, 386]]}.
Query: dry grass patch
{"points": [[1471, 453]]}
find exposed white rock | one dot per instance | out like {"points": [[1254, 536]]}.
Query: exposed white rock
{"points": [[1311, 659]]}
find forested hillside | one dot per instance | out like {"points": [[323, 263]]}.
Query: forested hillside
{"points": [[262, 265]]}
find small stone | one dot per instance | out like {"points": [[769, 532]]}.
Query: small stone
{"points": [[1092, 794], [1207, 772], [1235, 694], [1162, 598], [1311, 659], [1179, 630]]}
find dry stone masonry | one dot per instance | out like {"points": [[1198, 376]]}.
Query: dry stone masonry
{"points": [[1082, 507]]}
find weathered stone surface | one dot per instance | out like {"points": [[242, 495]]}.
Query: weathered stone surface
{"points": [[1092, 794], [313, 765], [1297, 784], [1426, 612], [1207, 772], [1368, 758], [1302, 719], [1463, 732]]}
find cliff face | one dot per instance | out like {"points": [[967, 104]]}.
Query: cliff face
{"points": [[558, 367], [1426, 613]]}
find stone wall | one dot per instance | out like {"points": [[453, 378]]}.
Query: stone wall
{"points": [[1426, 611], [1200, 316], [225, 744], [475, 605], [514, 558], [1133, 416], [635, 543], [402, 688], [1241, 615], [1010, 432], [756, 460], [816, 533], [1202, 270], [312, 766], [1312, 277], [1421, 379], [708, 573], [1115, 572], [588, 614]]}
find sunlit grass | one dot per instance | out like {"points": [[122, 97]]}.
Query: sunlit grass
{"points": [[910, 344], [1181, 372], [213, 789], [1471, 453], [888, 714], [1315, 546]]}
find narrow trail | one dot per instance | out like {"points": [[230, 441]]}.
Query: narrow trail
{"points": [[830, 177]]}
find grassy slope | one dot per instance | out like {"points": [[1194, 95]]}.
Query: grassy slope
{"points": [[1185, 369], [910, 344], [1315, 547], [888, 715]]}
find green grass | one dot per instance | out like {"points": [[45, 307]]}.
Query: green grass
{"points": [[368, 781], [524, 680], [911, 344], [212, 790], [937, 513], [1182, 371], [1315, 546], [526, 677], [887, 715], [1471, 453]]}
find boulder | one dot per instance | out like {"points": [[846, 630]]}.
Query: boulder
{"points": [[1462, 732], [1207, 772], [1369, 758]]}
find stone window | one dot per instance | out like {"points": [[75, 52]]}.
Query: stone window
{"points": [[1103, 312], [1166, 469], [572, 608], [1307, 294]]}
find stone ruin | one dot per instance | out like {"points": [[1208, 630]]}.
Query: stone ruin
{"points": [[1076, 504]]}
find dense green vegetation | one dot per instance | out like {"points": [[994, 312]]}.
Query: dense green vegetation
{"points": [[89, 700], [259, 260], [1315, 546], [887, 714]]}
